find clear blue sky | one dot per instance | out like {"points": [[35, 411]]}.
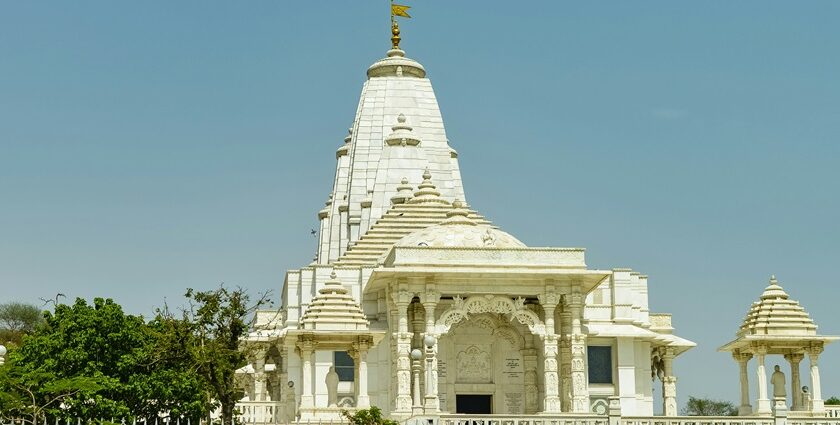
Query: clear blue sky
{"points": [[147, 147]]}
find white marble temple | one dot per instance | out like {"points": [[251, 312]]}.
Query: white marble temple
{"points": [[405, 264]]}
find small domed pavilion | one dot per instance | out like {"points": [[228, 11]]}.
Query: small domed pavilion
{"points": [[776, 324]]}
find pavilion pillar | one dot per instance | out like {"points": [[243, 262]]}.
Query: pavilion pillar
{"points": [[551, 381], [565, 360], [669, 384], [431, 401], [362, 398], [795, 380], [743, 360], [763, 402], [817, 404], [259, 374], [580, 382], [287, 390], [307, 397], [402, 299]]}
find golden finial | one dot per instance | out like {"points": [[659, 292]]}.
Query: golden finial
{"points": [[395, 34], [397, 10]]}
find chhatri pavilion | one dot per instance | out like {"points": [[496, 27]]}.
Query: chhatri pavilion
{"points": [[418, 304]]}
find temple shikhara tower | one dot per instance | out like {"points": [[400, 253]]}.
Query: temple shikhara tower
{"points": [[418, 304]]}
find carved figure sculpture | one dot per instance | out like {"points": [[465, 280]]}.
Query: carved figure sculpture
{"points": [[778, 381], [806, 399], [332, 387]]}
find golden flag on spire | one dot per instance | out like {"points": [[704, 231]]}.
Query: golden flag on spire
{"points": [[400, 10]]}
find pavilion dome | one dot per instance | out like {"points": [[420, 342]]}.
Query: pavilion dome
{"points": [[460, 231], [334, 309], [775, 314]]}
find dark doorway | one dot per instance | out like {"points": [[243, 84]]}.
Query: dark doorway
{"points": [[481, 404]]}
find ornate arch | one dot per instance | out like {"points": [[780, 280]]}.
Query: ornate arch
{"points": [[514, 308]]}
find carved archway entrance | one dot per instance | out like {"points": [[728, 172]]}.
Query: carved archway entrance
{"points": [[481, 362]]}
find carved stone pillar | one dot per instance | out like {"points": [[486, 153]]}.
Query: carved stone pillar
{"points": [[551, 380], [817, 404], [795, 380], [669, 384], [431, 402], [402, 299], [566, 361], [353, 352], [580, 382], [529, 358], [743, 359], [669, 395], [287, 392], [307, 398], [260, 389], [418, 324], [763, 402], [362, 397]]}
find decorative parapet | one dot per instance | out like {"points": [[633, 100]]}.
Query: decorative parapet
{"points": [[268, 319], [486, 257], [661, 322]]}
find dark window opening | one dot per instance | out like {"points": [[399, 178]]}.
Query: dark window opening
{"points": [[344, 366], [600, 365]]}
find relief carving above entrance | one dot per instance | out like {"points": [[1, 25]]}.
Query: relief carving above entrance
{"points": [[474, 364]]}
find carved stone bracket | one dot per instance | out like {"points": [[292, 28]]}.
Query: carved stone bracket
{"points": [[514, 308]]}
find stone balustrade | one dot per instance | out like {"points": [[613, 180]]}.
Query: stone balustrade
{"points": [[698, 420], [564, 419], [268, 413], [259, 412]]}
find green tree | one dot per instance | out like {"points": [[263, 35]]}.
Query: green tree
{"points": [[17, 320], [210, 332], [709, 407], [372, 416], [81, 344], [833, 401], [27, 395]]}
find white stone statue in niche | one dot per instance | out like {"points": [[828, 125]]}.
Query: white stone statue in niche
{"points": [[332, 387], [806, 398], [778, 381]]}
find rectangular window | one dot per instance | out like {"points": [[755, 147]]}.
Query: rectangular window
{"points": [[600, 364], [344, 366]]}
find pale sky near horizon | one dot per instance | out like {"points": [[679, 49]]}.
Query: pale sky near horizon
{"points": [[147, 147]]}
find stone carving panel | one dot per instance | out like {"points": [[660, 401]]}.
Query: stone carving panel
{"points": [[475, 364]]}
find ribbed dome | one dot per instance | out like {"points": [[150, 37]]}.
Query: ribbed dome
{"points": [[458, 230], [334, 309], [776, 314]]}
